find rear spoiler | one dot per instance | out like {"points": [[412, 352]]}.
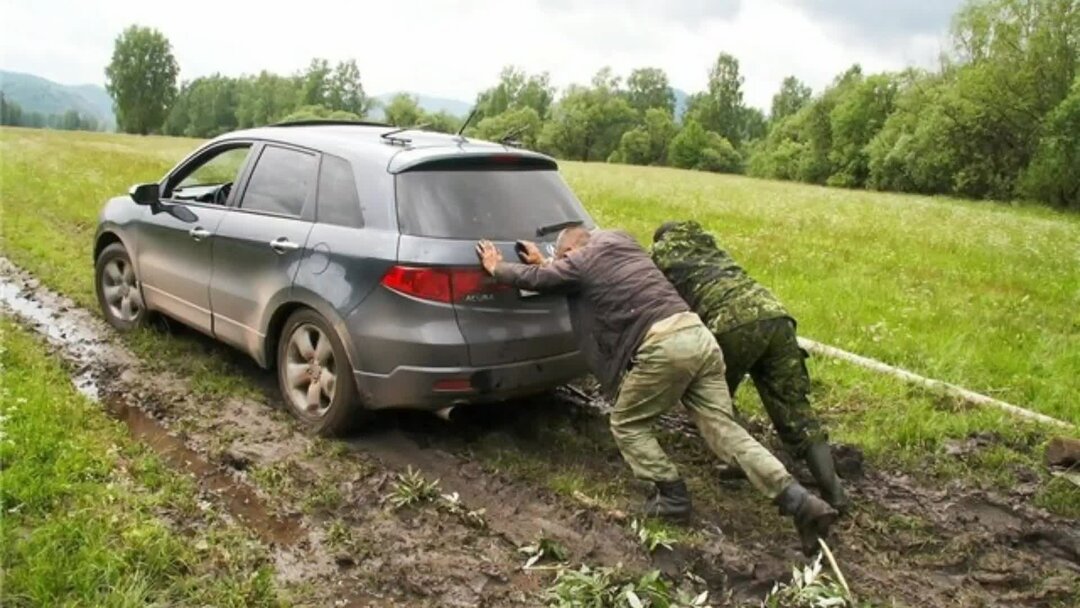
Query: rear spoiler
{"points": [[456, 160]]}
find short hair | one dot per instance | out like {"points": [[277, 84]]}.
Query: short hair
{"points": [[574, 236]]}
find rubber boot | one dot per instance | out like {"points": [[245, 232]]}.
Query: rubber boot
{"points": [[820, 462], [671, 501], [813, 516]]}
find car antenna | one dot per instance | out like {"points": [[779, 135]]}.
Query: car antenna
{"points": [[459, 136]]}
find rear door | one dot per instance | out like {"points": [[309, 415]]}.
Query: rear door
{"points": [[260, 242], [445, 207]]}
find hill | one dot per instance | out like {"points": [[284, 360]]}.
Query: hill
{"points": [[36, 94]]}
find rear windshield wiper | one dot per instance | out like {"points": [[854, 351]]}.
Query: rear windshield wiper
{"points": [[552, 228]]}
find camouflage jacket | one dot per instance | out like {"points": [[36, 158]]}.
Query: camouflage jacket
{"points": [[716, 287]]}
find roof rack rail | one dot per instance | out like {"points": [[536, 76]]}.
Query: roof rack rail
{"points": [[316, 122], [391, 137]]}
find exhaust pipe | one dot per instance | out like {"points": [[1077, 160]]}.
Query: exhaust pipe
{"points": [[444, 413]]}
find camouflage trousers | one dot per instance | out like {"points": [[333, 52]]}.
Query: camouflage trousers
{"points": [[769, 352], [679, 361]]}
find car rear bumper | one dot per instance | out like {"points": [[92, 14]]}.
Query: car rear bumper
{"points": [[435, 388]]}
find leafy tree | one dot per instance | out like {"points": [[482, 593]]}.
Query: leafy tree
{"points": [[720, 109], [791, 98], [1054, 173], [696, 148], [516, 90], [403, 110], [441, 121], [205, 107], [265, 99], [647, 144], [588, 122], [648, 88], [860, 112], [141, 78], [11, 113], [317, 113], [345, 91], [315, 83], [523, 124]]}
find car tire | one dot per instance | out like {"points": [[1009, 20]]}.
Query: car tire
{"points": [[119, 291], [315, 377]]}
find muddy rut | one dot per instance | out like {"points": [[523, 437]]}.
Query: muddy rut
{"points": [[320, 506]]}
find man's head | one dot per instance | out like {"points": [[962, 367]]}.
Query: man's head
{"points": [[574, 237]]}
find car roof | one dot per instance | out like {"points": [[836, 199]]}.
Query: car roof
{"points": [[358, 142]]}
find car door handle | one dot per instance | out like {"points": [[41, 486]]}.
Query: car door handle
{"points": [[283, 245], [198, 233]]}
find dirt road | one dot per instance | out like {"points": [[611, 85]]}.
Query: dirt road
{"points": [[320, 506]]}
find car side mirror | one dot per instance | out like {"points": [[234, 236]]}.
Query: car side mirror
{"points": [[145, 194]]}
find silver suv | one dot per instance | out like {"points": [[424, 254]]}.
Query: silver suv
{"points": [[343, 256]]}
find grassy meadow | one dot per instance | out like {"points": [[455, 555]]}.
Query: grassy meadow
{"points": [[92, 517], [982, 295]]}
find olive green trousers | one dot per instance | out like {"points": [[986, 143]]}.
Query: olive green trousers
{"points": [[680, 361]]}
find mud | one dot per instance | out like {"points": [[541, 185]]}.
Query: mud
{"points": [[320, 506]]}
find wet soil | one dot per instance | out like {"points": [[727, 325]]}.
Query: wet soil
{"points": [[320, 506]]}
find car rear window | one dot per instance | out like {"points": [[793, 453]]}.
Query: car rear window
{"points": [[499, 204]]}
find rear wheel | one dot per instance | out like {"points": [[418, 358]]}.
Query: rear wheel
{"points": [[315, 376], [118, 290]]}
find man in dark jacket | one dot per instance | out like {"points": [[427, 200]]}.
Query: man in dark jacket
{"points": [[756, 334], [645, 346]]}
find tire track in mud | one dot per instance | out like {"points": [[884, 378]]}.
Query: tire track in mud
{"points": [[352, 551], [952, 546]]}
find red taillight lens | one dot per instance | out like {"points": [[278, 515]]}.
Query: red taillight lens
{"points": [[424, 283], [446, 285]]}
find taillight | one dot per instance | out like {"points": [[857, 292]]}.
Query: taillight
{"points": [[444, 285]]}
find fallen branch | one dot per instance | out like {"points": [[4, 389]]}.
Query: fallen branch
{"points": [[930, 383]]}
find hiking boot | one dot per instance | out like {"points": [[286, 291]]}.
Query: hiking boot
{"points": [[819, 460], [813, 516], [671, 501]]}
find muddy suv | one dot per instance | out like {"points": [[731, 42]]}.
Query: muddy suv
{"points": [[343, 256]]}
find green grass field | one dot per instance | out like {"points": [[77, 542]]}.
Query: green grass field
{"points": [[93, 518], [982, 295]]}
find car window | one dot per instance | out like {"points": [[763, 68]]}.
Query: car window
{"points": [[220, 169], [486, 203], [338, 202], [280, 182]]}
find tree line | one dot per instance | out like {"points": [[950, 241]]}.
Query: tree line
{"points": [[13, 115], [1000, 119]]}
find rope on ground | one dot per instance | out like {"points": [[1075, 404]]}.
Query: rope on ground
{"points": [[930, 383]]}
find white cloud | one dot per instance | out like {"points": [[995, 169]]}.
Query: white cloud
{"points": [[454, 48]]}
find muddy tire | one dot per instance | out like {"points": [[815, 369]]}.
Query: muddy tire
{"points": [[119, 291], [315, 377]]}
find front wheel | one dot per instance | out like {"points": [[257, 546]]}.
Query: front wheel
{"points": [[118, 290], [314, 375]]}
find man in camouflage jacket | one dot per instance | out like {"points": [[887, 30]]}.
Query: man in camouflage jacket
{"points": [[757, 336]]}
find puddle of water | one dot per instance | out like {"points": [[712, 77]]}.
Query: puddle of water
{"points": [[48, 321], [84, 347]]}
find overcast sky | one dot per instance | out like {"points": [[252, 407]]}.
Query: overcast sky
{"points": [[454, 48]]}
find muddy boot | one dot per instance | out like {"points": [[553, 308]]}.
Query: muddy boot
{"points": [[820, 462], [671, 501], [813, 516]]}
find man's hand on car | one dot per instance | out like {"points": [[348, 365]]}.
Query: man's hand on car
{"points": [[489, 255], [530, 253]]}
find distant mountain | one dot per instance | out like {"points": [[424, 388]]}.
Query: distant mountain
{"points": [[680, 102], [427, 103], [36, 94]]}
